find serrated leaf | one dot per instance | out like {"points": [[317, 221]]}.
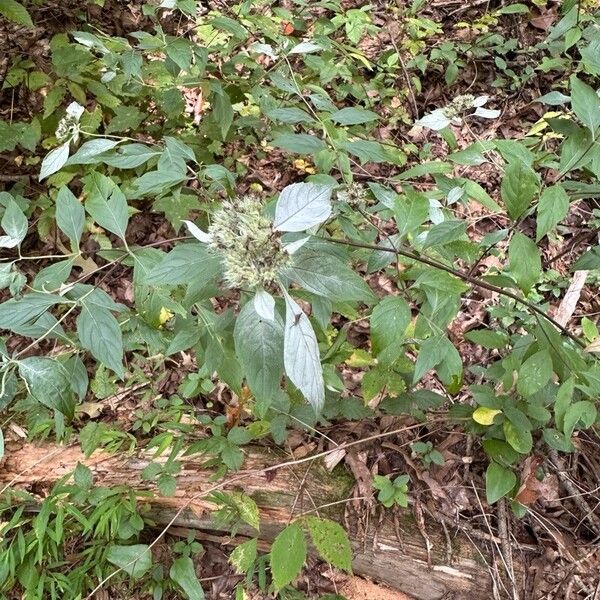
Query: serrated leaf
{"points": [[157, 182], [301, 143], [14, 313], [244, 555], [328, 276], [109, 212], [582, 411], [353, 116], [499, 481], [524, 260], [389, 321], [47, 381], [130, 156], [301, 355], [14, 11], [100, 333], [54, 161], [289, 115], [487, 338], [186, 263], [259, 348], [519, 187], [70, 215], [331, 541], [552, 209], [586, 104], [288, 554], [135, 560], [301, 206]]}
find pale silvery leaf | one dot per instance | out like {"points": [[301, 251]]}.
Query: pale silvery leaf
{"points": [[15, 224], [302, 205], [455, 194], [108, 76], [486, 113], [200, 235], [305, 48], [54, 160], [75, 110], [480, 101], [89, 150], [435, 120], [264, 49], [301, 354], [294, 246], [264, 305]]}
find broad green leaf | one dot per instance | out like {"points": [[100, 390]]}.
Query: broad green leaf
{"points": [[109, 212], [54, 275], [586, 104], [186, 263], [331, 542], [89, 151], [244, 555], [410, 211], [223, 111], [499, 481], [575, 150], [70, 215], [301, 143], [534, 373], [518, 437], [183, 573], [524, 260], [180, 51], [288, 554], [579, 412], [519, 187], [487, 338], [301, 355], [17, 312], [15, 225], [100, 333], [48, 383], [289, 115], [135, 560], [445, 232], [590, 56], [588, 260], [328, 276], [353, 116], [54, 161], [432, 352], [552, 209], [246, 507], [157, 182], [259, 348], [14, 11], [130, 156], [370, 151], [301, 206], [389, 321]]}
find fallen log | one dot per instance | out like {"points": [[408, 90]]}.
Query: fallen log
{"points": [[282, 493]]}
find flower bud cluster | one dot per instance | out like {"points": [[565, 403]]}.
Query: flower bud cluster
{"points": [[354, 195], [68, 129], [459, 105], [252, 252]]}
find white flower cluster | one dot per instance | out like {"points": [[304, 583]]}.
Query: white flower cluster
{"points": [[453, 112], [354, 195], [252, 252], [68, 127]]}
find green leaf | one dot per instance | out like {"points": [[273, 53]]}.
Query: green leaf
{"points": [[259, 348], [223, 111], [327, 276], [186, 263], [410, 211], [499, 481], [183, 573], [288, 554], [89, 151], [15, 12], [445, 232], [524, 260], [487, 338], [244, 555], [126, 117], [14, 223], [389, 321], [130, 156], [564, 397], [331, 542], [353, 116], [70, 215], [588, 260], [586, 104], [247, 509], [301, 356], [54, 275], [157, 182], [301, 143], [100, 333], [534, 373], [518, 437], [552, 209], [14, 313], [369, 151], [135, 560], [579, 412], [48, 383], [289, 115], [110, 212], [432, 352], [519, 187], [54, 161]]}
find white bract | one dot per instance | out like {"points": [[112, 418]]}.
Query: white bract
{"points": [[301, 206]]}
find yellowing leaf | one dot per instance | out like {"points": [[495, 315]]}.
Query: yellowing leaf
{"points": [[484, 415], [164, 315], [360, 358]]}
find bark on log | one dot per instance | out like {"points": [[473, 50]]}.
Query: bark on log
{"points": [[377, 555]]}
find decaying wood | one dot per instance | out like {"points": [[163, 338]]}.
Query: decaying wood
{"points": [[377, 554]]}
